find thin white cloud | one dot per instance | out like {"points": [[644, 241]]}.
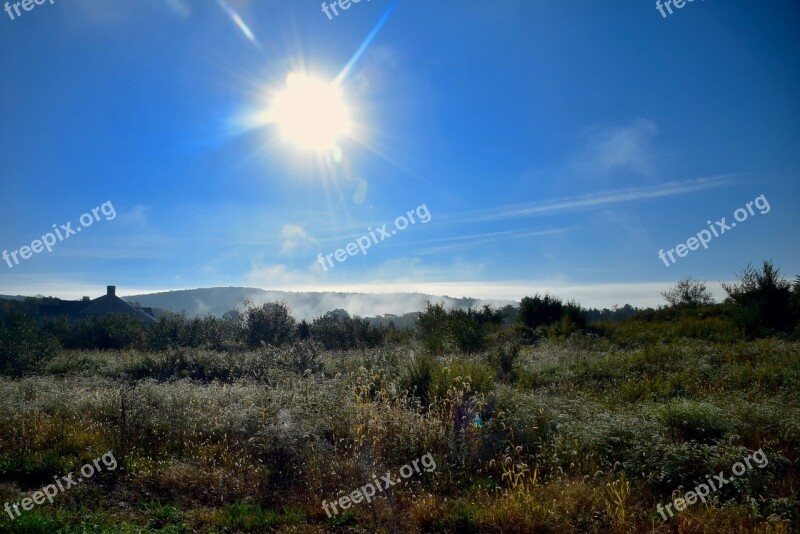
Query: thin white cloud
{"points": [[137, 215], [473, 240], [294, 236], [401, 270], [597, 200], [104, 12], [376, 73], [625, 148], [180, 7], [410, 269], [277, 276]]}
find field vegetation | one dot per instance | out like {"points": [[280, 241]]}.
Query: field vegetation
{"points": [[551, 424]]}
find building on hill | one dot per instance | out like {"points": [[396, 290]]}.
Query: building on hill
{"points": [[108, 304]]}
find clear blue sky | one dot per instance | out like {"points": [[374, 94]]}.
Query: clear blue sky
{"points": [[558, 145]]}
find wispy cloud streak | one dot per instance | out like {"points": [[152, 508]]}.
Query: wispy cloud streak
{"points": [[473, 240], [597, 200]]}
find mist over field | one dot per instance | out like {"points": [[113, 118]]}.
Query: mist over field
{"points": [[218, 301]]}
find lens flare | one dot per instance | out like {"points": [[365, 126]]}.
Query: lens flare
{"points": [[239, 22]]}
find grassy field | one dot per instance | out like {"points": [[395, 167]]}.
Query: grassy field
{"points": [[581, 434]]}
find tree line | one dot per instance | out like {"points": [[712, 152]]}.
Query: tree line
{"points": [[760, 303]]}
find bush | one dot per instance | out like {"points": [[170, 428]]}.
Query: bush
{"points": [[761, 301], [336, 330], [22, 347], [464, 330], [518, 333], [105, 332], [304, 356], [689, 420], [432, 328], [419, 377], [690, 293], [536, 312], [605, 439], [504, 358], [655, 328], [303, 330], [269, 324]]}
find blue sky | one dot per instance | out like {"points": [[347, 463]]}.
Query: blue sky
{"points": [[558, 145]]}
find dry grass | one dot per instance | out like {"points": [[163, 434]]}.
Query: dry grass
{"points": [[590, 438]]}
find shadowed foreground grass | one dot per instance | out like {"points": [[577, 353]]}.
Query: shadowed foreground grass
{"points": [[576, 435]]}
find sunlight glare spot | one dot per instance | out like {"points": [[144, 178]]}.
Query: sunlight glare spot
{"points": [[310, 113]]}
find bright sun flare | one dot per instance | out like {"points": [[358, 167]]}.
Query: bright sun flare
{"points": [[310, 113]]}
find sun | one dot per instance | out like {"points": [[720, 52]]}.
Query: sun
{"points": [[310, 113]]}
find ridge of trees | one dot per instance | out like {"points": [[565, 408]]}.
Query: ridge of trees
{"points": [[760, 303]]}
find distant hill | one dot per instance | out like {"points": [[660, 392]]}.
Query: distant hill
{"points": [[401, 309], [304, 305]]}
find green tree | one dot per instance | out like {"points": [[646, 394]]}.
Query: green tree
{"points": [[432, 327], [539, 311], [761, 300], [269, 324], [334, 330], [689, 292], [466, 331], [303, 330]]}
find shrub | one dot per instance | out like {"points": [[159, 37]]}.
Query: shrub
{"points": [[689, 292], [22, 347], [304, 356], [466, 333], [419, 377], [762, 301], [695, 420], [464, 330], [105, 332], [432, 327], [518, 333], [504, 358], [303, 330], [244, 517], [334, 330], [605, 439], [536, 311], [269, 324]]}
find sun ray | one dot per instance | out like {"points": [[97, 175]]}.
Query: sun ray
{"points": [[311, 114], [364, 45]]}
